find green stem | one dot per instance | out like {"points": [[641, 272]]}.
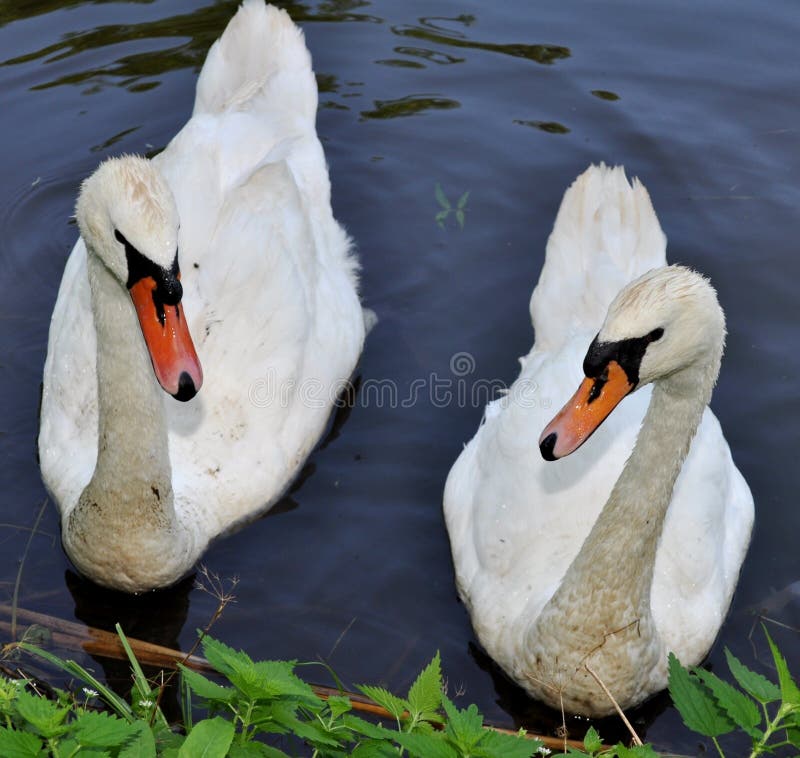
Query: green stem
{"points": [[772, 727], [716, 745]]}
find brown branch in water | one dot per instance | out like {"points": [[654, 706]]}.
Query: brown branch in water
{"points": [[70, 635]]}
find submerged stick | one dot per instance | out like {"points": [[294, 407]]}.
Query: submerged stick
{"points": [[71, 635]]}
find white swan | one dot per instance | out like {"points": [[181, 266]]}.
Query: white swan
{"points": [[584, 561], [241, 197]]}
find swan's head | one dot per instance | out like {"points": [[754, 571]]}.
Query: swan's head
{"points": [[127, 217], [662, 323]]}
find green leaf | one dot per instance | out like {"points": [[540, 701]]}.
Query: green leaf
{"points": [[592, 741], [464, 727], [374, 749], [277, 679], [395, 705], [638, 751], [139, 679], [460, 218], [367, 728], [507, 745], [311, 731], [121, 708], [761, 688], [462, 201], [256, 750], [426, 745], [694, 702], [205, 688], [224, 659], [95, 729], [793, 736], [210, 738], [743, 711], [15, 744], [45, 717], [441, 216], [143, 744], [790, 694], [440, 196], [339, 705], [425, 694]]}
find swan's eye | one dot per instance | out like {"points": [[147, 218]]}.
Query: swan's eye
{"points": [[120, 237], [597, 387], [656, 334]]}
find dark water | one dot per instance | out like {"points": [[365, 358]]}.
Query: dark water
{"points": [[509, 101]]}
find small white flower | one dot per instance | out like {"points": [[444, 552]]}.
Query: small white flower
{"points": [[544, 750], [145, 703], [89, 693]]}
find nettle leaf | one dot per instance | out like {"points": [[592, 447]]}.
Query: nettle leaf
{"points": [[741, 709], [15, 744], [224, 659], [143, 744], [45, 717], [205, 688], [256, 750], [507, 745], [761, 688], [367, 728], [793, 735], [695, 703], [395, 705], [465, 728], [209, 738], [96, 729], [789, 690], [311, 731], [460, 218], [441, 197], [426, 745], [425, 695], [462, 201], [374, 750], [277, 679], [592, 741], [339, 705], [637, 751]]}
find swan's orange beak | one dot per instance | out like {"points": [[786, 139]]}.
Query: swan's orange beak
{"points": [[168, 341], [585, 411]]}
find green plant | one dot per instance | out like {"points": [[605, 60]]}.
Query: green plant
{"points": [[262, 701], [460, 210], [258, 699], [768, 713]]}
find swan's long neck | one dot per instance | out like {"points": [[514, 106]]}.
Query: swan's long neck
{"points": [[124, 523], [132, 434], [603, 601]]}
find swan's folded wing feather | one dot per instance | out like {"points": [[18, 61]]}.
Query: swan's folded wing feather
{"points": [[68, 433], [605, 235]]}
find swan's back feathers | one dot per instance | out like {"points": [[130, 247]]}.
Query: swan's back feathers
{"points": [[260, 62], [605, 235]]}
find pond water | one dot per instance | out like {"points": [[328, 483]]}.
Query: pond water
{"points": [[509, 102]]}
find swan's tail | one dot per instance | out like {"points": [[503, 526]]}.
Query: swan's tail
{"points": [[606, 234], [260, 58]]}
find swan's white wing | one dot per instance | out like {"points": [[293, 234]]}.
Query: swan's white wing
{"points": [[68, 431], [605, 235]]}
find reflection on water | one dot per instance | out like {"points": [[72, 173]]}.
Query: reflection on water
{"points": [[551, 127], [410, 105], [200, 27], [427, 30]]}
